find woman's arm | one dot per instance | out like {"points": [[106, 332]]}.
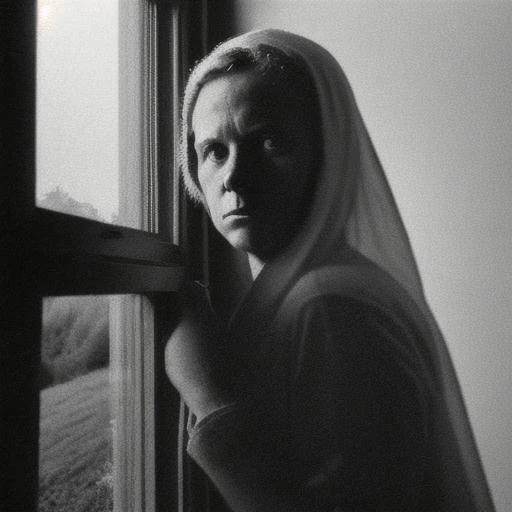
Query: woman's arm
{"points": [[353, 436], [192, 355]]}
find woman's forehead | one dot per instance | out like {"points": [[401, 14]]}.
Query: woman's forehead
{"points": [[236, 87], [247, 92]]}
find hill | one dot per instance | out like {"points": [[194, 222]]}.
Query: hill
{"points": [[75, 445]]}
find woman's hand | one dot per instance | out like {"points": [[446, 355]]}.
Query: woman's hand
{"points": [[192, 356]]}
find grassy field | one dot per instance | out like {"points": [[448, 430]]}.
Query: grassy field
{"points": [[76, 445], [75, 337]]}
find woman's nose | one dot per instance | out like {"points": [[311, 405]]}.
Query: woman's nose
{"points": [[238, 175]]}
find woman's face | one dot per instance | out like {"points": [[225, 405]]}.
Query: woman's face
{"points": [[255, 160]]}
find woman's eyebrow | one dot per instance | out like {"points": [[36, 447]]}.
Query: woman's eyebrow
{"points": [[261, 127], [200, 144], [258, 129]]}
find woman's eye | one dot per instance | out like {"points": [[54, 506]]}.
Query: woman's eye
{"points": [[216, 152], [272, 145]]}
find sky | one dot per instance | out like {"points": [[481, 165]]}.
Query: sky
{"points": [[77, 101]]}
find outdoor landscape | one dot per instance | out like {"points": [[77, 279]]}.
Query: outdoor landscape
{"points": [[75, 444]]}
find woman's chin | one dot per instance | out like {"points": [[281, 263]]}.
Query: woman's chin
{"points": [[242, 240], [265, 248]]}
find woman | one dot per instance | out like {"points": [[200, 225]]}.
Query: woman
{"points": [[331, 388]]}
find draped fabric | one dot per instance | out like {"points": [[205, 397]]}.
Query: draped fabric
{"points": [[353, 207]]}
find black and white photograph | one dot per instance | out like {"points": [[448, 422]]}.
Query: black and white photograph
{"points": [[256, 256]]}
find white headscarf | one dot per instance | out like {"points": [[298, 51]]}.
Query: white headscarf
{"points": [[352, 204], [367, 216]]}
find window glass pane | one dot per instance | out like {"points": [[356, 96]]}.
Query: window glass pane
{"points": [[90, 160], [96, 434], [77, 107], [75, 462]]}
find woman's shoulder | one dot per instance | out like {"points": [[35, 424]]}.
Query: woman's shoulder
{"points": [[350, 291], [362, 316], [361, 283], [346, 295]]}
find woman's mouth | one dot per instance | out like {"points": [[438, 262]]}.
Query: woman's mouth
{"points": [[237, 212]]}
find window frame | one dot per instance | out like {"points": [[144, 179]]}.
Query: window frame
{"points": [[47, 253]]}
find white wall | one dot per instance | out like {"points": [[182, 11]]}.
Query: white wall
{"points": [[433, 81]]}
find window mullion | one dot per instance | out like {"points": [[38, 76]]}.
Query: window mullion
{"points": [[132, 125], [150, 119], [132, 363]]}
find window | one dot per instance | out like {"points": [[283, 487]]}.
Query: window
{"points": [[77, 107], [78, 415], [96, 420], [71, 242]]}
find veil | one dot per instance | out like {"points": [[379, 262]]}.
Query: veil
{"points": [[353, 205], [353, 199]]}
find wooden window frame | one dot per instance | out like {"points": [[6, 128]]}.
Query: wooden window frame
{"points": [[45, 253]]}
